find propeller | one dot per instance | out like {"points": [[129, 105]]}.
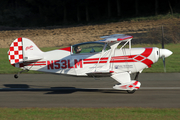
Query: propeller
{"points": [[163, 57], [164, 52], [164, 63]]}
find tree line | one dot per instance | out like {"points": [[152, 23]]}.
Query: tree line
{"points": [[58, 12]]}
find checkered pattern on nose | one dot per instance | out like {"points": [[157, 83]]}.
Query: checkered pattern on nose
{"points": [[15, 52]]}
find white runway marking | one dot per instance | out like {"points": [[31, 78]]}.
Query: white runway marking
{"points": [[51, 89], [167, 88]]}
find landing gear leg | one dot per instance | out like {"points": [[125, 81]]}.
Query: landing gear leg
{"points": [[136, 77], [16, 75]]}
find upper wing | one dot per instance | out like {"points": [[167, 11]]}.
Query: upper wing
{"points": [[115, 38]]}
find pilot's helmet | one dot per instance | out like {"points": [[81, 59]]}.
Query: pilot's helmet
{"points": [[77, 49]]}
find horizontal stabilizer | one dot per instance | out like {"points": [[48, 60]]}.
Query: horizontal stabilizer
{"points": [[32, 58]]}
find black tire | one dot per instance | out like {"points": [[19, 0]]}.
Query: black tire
{"points": [[16, 76], [131, 91]]}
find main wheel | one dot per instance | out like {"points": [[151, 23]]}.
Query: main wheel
{"points": [[131, 91]]}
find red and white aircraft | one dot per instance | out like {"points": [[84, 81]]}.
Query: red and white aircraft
{"points": [[98, 58]]}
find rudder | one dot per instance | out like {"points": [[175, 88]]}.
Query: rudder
{"points": [[23, 50], [15, 53]]}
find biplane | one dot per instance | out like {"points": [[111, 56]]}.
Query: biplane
{"points": [[112, 56]]}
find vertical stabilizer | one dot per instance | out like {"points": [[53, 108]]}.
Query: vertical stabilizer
{"points": [[22, 50], [30, 50]]}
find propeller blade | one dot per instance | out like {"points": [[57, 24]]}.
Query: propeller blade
{"points": [[162, 38], [163, 57], [164, 63]]}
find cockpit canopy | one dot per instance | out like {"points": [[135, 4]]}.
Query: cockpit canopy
{"points": [[89, 47]]}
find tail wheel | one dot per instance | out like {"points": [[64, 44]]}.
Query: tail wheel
{"points": [[16, 76], [131, 91]]}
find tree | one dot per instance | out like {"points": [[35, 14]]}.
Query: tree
{"points": [[118, 8], [156, 7], [109, 8], [87, 12], [136, 7], [170, 7]]}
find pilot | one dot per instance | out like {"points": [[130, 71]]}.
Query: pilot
{"points": [[77, 49]]}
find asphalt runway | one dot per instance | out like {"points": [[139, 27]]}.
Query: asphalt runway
{"points": [[158, 90]]}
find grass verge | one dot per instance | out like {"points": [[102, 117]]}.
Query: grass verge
{"points": [[89, 114], [172, 62]]}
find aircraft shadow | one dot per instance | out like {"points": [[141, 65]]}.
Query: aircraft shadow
{"points": [[16, 85], [56, 90], [69, 90]]}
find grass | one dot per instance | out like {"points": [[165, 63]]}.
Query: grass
{"points": [[88, 114], [172, 62], [156, 17]]}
